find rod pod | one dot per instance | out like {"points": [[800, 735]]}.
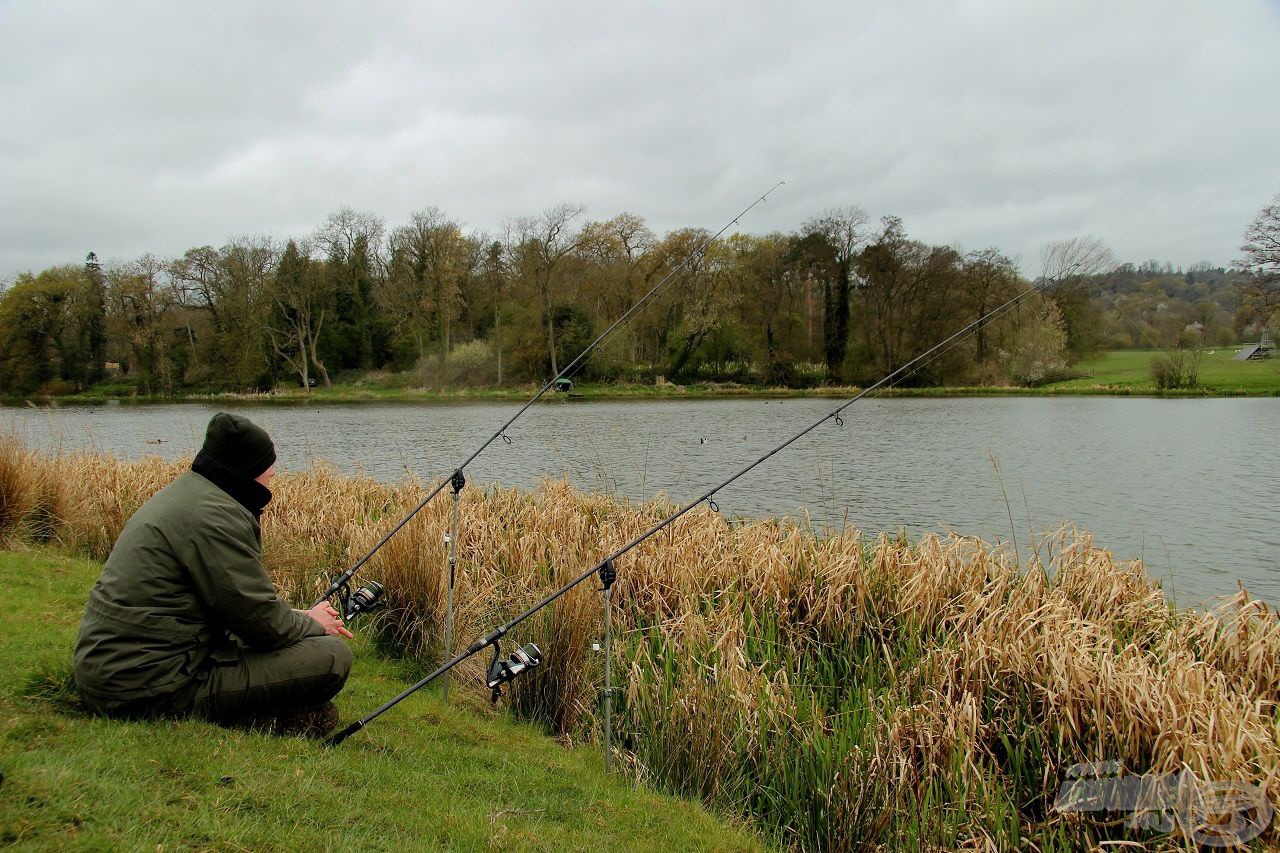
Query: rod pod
{"points": [[608, 574], [458, 481]]}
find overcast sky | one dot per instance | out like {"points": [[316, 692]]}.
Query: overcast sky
{"points": [[128, 127]]}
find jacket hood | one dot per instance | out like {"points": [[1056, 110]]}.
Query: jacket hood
{"points": [[249, 493]]}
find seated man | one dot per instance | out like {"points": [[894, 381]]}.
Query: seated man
{"points": [[185, 621]]}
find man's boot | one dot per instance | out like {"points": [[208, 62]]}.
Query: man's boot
{"points": [[314, 721]]}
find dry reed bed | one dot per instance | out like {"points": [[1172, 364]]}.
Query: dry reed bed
{"points": [[837, 688]]}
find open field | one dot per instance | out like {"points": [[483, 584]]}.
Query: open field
{"points": [[1125, 371], [430, 776], [841, 692]]}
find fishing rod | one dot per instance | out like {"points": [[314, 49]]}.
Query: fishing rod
{"points": [[341, 584], [529, 656]]}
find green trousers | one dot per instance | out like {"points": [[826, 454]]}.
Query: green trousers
{"points": [[308, 672], [244, 684]]}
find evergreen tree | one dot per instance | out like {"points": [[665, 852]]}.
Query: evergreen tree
{"points": [[96, 318]]}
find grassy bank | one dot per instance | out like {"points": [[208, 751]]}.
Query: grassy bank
{"points": [[1117, 373], [840, 691], [431, 776], [1127, 372]]}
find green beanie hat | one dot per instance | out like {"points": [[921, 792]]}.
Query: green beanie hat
{"points": [[239, 444]]}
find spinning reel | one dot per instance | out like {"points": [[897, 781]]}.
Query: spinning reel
{"points": [[366, 599], [523, 658]]}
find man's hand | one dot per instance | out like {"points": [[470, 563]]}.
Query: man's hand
{"points": [[328, 619]]}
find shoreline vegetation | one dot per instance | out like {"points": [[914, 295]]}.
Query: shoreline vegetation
{"points": [[1117, 373], [840, 301], [839, 691]]}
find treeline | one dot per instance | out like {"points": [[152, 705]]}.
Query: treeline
{"points": [[427, 303], [1156, 305]]}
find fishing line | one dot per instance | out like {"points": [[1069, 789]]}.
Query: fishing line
{"points": [[700, 252], [342, 581], [990, 316], [605, 568], [993, 314], [1066, 275]]}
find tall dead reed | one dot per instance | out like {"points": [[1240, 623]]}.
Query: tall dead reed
{"points": [[845, 692], [16, 487]]}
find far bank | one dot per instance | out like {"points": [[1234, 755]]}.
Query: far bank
{"points": [[1117, 373]]}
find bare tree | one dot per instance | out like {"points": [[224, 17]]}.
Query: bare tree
{"points": [[990, 279], [707, 292], [199, 280], [622, 264], [538, 246], [249, 266], [298, 314], [140, 303], [227, 285], [617, 250], [344, 228], [430, 260], [1075, 258], [907, 292], [195, 283], [770, 302], [1068, 267], [1262, 258], [491, 277]]}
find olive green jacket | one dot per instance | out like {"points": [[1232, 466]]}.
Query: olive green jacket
{"points": [[186, 570]]}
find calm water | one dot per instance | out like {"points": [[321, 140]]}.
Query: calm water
{"points": [[1189, 485]]}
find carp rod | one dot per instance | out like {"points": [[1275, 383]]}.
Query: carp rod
{"points": [[503, 671], [341, 583]]}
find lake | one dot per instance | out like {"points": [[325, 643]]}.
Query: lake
{"points": [[1190, 486]]}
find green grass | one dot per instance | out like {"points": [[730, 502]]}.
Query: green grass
{"points": [[1126, 371], [425, 776]]}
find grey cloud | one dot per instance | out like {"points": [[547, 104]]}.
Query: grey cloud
{"points": [[135, 127]]}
